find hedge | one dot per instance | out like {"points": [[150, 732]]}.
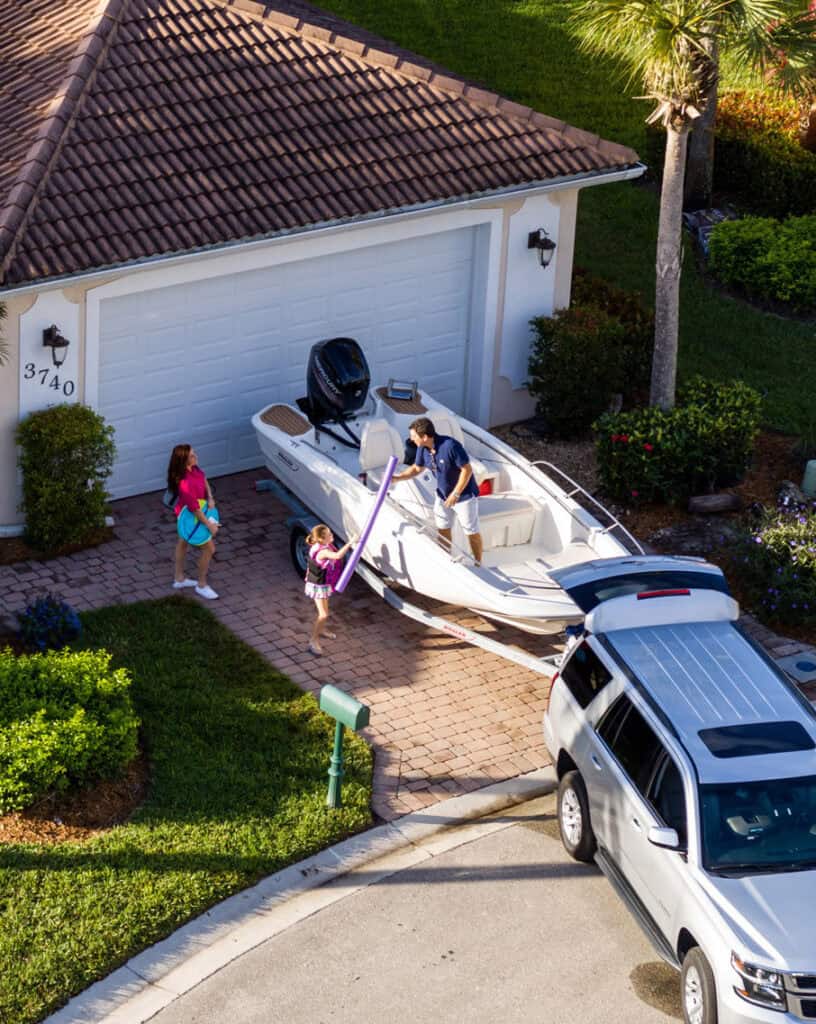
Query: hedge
{"points": [[66, 719], [705, 442]]}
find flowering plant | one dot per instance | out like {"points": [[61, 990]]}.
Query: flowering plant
{"points": [[48, 623], [776, 562]]}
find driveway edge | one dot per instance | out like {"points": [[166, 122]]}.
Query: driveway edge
{"points": [[152, 979]]}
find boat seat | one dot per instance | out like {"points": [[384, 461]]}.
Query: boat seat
{"points": [[379, 442], [506, 520], [445, 423]]}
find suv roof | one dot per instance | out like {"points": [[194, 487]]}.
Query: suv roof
{"points": [[703, 675]]}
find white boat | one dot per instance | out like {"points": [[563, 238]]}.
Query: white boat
{"points": [[530, 525]]}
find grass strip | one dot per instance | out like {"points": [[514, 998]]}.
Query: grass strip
{"points": [[239, 757]]}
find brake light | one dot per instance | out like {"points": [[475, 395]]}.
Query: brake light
{"points": [[486, 487], [680, 592]]}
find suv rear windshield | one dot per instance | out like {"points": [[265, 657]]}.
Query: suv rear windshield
{"points": [[588, 595], [751, 827]]}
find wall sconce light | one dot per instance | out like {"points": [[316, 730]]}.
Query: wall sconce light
{"points": [[59, 346], [546, 246]]}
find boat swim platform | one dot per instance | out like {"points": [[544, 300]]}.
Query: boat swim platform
{"points": [[287, 419]]}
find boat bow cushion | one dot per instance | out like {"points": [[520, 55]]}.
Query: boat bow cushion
{"points": [[379, 442]]}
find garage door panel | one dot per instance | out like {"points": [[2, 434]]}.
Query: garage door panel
{"points": [[192, 362]]}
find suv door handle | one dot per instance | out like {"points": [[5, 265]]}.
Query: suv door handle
{"points": [[636, 825], [596, 761]]}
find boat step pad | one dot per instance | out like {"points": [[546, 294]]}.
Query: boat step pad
{"points": [[409, 406], [285, 418], [528, 566]]}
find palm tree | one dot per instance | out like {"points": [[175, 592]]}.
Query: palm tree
{"points": [[673, 48]]}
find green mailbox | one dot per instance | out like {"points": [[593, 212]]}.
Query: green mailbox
{"points": [[343, 707], [346, 711]]}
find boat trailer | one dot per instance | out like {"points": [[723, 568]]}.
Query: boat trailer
{"points": [[302, 520]]}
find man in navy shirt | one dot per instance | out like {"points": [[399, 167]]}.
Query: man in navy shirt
{"points": [[456, 490]]}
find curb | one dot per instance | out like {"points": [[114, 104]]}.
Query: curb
{"points": [[153, 979]]}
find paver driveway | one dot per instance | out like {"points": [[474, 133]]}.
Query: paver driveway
{"points": [[446, 717]]}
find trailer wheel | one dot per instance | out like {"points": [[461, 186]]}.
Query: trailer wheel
{"points": [[299, 550]]}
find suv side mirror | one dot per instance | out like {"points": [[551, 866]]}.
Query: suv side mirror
{"points": [[663, 837]]}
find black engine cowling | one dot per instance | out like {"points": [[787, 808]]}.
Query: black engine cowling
{"points": [[337, 380]]}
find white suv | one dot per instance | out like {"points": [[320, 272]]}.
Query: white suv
{"points": [[687, 769]]}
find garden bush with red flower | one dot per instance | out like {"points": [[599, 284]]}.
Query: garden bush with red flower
{"points": [[703, 443]]}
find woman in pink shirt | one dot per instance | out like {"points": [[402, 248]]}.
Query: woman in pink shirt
{"points": [[186, 480]]}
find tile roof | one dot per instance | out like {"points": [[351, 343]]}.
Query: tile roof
{"points": [[139, 128]]}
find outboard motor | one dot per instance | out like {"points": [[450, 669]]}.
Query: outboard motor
{"points": [[337, 380]]}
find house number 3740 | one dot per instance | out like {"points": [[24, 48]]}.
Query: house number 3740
{"points": [[48, 378]]}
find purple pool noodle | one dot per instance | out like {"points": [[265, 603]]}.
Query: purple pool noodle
{"points": [[354, 557]]}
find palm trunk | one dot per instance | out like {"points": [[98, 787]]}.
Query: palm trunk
{"points": [[699, 181], [669, 257]]}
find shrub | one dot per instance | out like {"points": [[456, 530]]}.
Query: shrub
{"points": [[757, 156], [637, 320], [704, 442], [584, 355], [768, 260], [48, 623], [776, 564], [66, 456], [66, 719], [758, 113]]}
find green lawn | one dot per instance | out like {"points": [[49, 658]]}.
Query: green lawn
{"points": [[239, 758], [521, 50]]}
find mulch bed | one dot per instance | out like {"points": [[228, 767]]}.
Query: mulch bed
{"points": [[79, 816], [15, 549]]}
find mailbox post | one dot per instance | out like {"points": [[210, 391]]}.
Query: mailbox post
{"points": [[347, 712]]}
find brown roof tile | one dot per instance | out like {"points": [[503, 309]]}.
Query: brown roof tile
{"points": [[136, 128]]}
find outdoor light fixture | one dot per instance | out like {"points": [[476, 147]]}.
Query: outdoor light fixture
{"points": [[59, 346], [546, 246]]}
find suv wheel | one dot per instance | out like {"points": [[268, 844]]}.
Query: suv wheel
{"points": [[698, 991], [573, 818]]}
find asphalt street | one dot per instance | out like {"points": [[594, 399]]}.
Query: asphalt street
{"points": [[503, 927]]}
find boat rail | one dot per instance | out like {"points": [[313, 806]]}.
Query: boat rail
{"points": [[615, 523], [576, 488]]}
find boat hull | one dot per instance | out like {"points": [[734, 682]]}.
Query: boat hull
{"points": [[402, 550]]}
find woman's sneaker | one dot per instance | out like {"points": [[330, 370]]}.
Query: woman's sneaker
{"points": [[206, 592], [180, 584]]}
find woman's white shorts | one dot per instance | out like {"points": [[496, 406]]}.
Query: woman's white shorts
{"points": [[467, 512]]}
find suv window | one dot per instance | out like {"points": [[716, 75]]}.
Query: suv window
{"points": [[589, 595], [585, 675], [632, 740], [666, 795]]}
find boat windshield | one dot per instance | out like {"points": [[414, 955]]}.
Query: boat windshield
{"points": [[756, 827]]}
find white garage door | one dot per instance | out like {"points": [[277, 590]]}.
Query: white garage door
{"points": [[193, 362]]}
